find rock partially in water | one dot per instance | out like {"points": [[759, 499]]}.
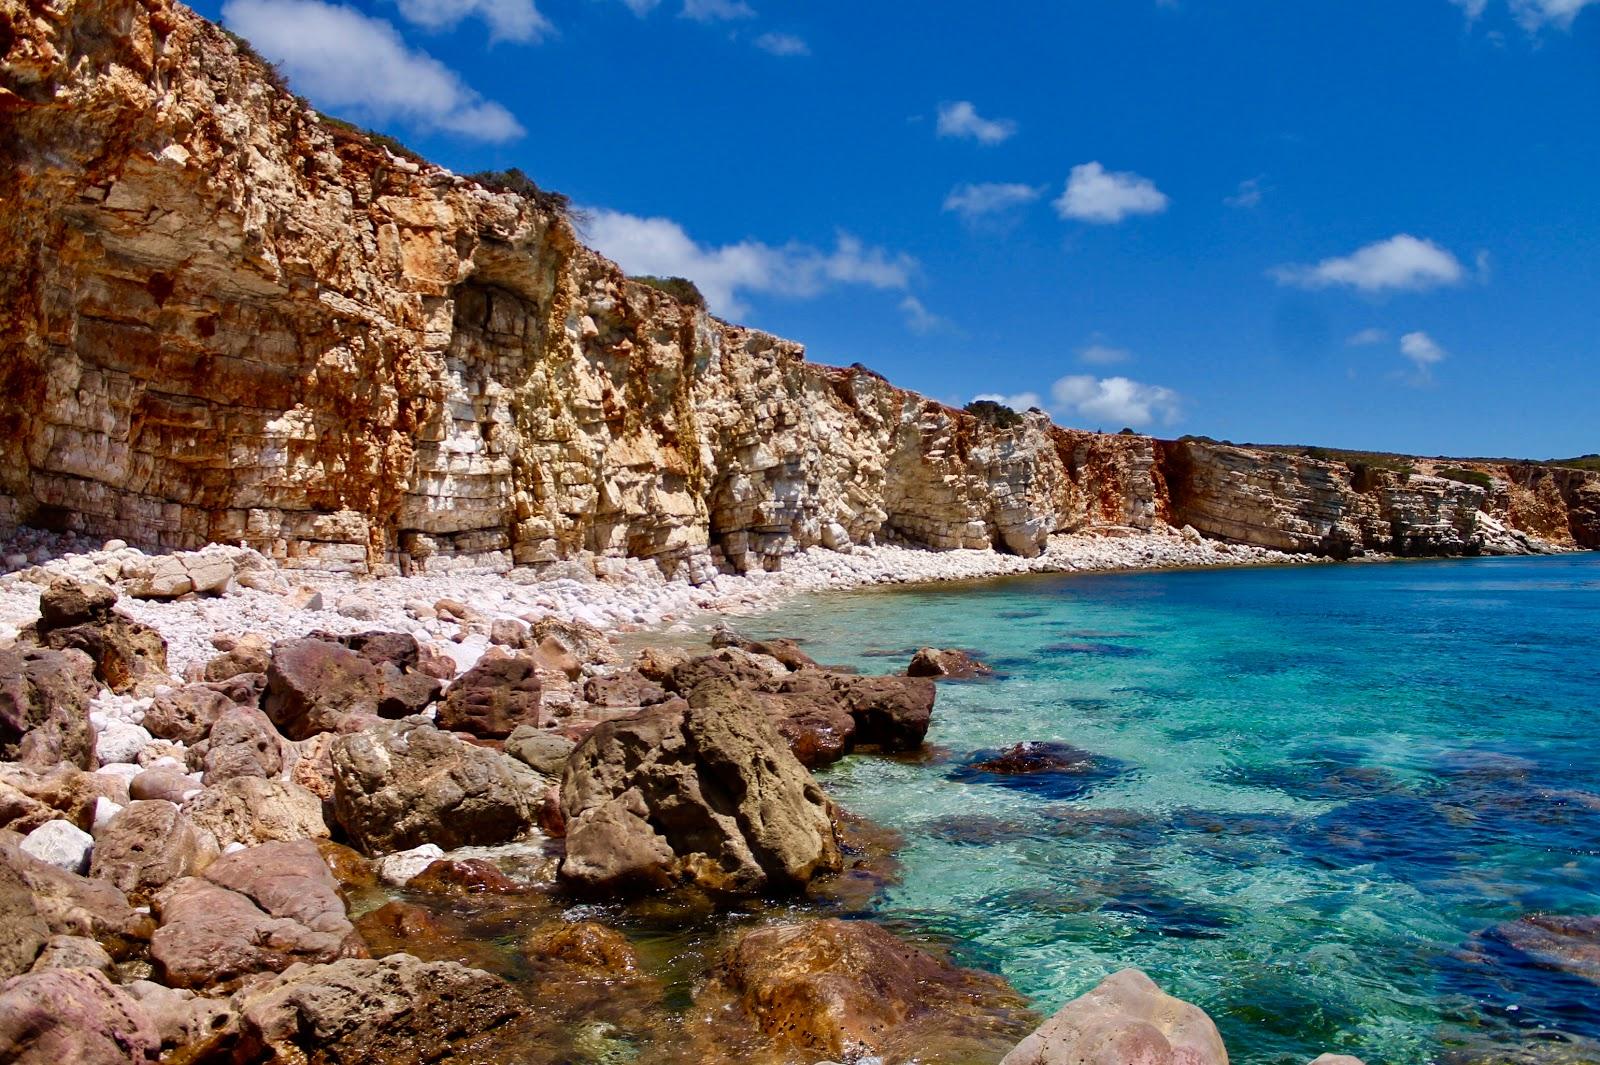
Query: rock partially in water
{"points": [[851, 990], [1570, 944], [1126, 1019], [1050, 769], [786, 651], [947, 664], [592, 948], [704, 793], [468, 876]]}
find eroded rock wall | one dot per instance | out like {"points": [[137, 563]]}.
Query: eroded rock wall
{"points": [[223, 318]]}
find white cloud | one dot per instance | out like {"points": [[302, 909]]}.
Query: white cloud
{"points": [[1368, 337], [1109, 400], [1248, 195], [1095, 194], [1536, 14], [1473, 9], [349, 62], [717, 10], [641, 7], [1422, 349], [1401, 262], [973, 202], [661, 246], [919, 319], [1103, 355], [961, 119], [785, 44], [1016, 401], [508, 20]]}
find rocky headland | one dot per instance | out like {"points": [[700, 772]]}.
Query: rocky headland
{"points": [[330, 482]]}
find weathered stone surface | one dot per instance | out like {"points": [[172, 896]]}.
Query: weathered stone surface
{"points": [[953, 664], [73, 905], [401, 784], [494, 697], [61, 844], [147, 846], [850, 990], [22, 931], [545, 752], [73, 952], [389, 1012], [171, 785], [469, 876], [315, 685], [128, 657], [705, 793], [29, 797], [251, 811], [583, 945], [66, 602], [786, 651], [892, 713], [73, 1015], [186, 714], [44, 707], [241, 743], [1127, 1018], [256, 910], [251, 653]]}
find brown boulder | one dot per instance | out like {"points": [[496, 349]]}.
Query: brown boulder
{"points": [[495, 696], [75, 1016], [314, 685], [469, 876], [74, 905], [850, 990], [66, 602], [73, 952], [396, 1011], [256, 910], [628, 688], [128, 656], [584, 945], [399, 785], [705, 793], [545, 752], [29, 796], [251, 653], [1127, 1018], [584, 641], [892, 713], [242, 743], [947, 665], [186, 714], [22, 931], [784, 650], [147, 846], [251, 811], [44, 707]]}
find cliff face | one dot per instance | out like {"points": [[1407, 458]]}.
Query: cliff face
{"points": [[222, 319]]}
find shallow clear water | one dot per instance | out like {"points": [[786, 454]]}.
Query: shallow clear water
{"points": [[1316, 791]]}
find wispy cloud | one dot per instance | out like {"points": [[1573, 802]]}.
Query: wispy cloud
{"points": [[1422, 350], [974, 202], [961, 120], [726, 273], [1367, 337], [1248, 194], [641, 7], [1098, 354], [354, 64], [919, 319], [784, 44], [508, 20], [1095, 194], [1402, 262], [717, 10]]}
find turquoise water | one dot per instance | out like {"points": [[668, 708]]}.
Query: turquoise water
{"points": [[1308, 795]]}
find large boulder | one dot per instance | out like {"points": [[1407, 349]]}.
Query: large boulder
{"points": [[251, 811], [402, 784], [257, 910], [73, 905], [242, 743], [44, 707], [395, 1011], [248, 654], [705, 793], [494, 697], [892, 713], [1127, 1018], [324, 683], [76, 1016], [128, 656], [22, 931], [186, 714], [849, 990], [147, 846], [544, 752], [29, 796]]}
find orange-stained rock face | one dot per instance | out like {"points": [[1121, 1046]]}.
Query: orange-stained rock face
{"points": [[223, 318]]}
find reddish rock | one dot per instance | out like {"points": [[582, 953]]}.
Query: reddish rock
{"points": [[249, 654], [583, 945], [242, 743], [314, 685], [784, 650], [494, 697], [947, 665], [892, 713], [147, 846], [75, 1016], [44, 707], [1127, 1018], [468, 876], [186, 714], [29, 796]]}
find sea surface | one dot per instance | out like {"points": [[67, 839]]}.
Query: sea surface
{"points": [[1306, 799]]}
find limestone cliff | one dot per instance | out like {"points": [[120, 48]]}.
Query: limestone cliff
{"points": [[223, 318]]}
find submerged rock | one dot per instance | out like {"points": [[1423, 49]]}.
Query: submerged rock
{"points": [[1053, 770], [1125, 1019], [704, 793]]}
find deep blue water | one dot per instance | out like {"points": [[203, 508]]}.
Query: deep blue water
{"points": [[1303, 798]]}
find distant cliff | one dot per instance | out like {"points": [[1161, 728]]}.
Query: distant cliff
{"points": [[225, 319]]}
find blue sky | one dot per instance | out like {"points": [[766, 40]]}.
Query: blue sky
{"points": [[1357, 223]]}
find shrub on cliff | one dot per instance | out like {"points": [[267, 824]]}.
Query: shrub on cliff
{"points": [[1473, 477], [679, 288], [996, 414], [514, 180]]}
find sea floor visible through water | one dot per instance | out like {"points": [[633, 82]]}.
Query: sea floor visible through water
{"points": [[1313, 801]]}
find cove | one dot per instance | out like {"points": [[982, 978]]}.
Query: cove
{"points": [[1319, 800]]}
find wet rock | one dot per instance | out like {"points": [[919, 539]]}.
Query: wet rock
{"points": [[946, 665], [1127, 1018], [406, 928], [1568, 944], [545, 752], [398, 785], [1054, 770], [850, 990], [362, 1012], [73, 1015], [468, 876], [242, 743], [252, 811], [22, 930], [257, 910], [44, 707], [810, 717], [494, 697], [73, 952], [351, 869], [705, 794], [61, 844], [583, 945], [398, 869], [892, 713], [147, 846]]}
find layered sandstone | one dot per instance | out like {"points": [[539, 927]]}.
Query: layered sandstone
{"points": [[224, 319]]}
